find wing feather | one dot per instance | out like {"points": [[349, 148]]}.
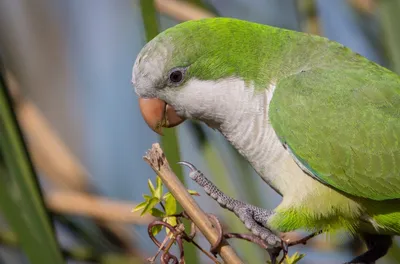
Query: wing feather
{"points": [[343, 124]]}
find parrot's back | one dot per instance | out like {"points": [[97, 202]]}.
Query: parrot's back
{"points": [[339, 114]]}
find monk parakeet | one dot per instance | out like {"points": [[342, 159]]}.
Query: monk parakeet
{"points": [[318, 122]]}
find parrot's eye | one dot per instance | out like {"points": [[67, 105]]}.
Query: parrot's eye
{"points": [[176, 76]]}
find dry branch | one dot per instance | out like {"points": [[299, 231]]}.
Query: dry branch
{"points": [[158, 162], [78, 203], [181, 10]]}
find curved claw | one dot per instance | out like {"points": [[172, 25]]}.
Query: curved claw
{"points": [[274, 253], [187, 164], [285, 249], [218, 226]]}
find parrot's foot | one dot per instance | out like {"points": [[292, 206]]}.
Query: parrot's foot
{"points": [[253, 217], [273, 252], [378, 246]]}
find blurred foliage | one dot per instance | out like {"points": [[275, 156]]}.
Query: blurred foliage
{"points": [[80, 254], [21, 200], [390, 21]]}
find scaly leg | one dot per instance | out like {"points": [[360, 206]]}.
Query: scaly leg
{"points": [[378, 246], [254, 218]]}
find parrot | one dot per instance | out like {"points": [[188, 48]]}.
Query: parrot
{"points": [[318, 122]]}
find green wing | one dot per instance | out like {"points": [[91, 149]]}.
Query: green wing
{"points": [[341, 120]]}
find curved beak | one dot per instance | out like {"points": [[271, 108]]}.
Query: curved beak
{"points": [[158, 114]]}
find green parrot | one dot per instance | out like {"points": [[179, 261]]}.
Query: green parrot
{"points": [[318, 122]]}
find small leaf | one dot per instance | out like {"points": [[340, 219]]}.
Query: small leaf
{"points": [[295, 258], [159, 181], [157, 213], [147, 197], [156, 229], [159, 188], [151, 187], [170, 205], [166, 196], [192, 192], [170, 220], [139, 206], [150, 205]]}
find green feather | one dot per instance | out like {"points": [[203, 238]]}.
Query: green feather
{"points": [[340, 116], [217, 48], [338, 112]]}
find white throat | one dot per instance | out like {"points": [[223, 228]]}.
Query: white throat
{"points": [[240, 113]]}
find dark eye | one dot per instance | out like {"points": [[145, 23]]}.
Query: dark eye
{"points": [[176, 76]]}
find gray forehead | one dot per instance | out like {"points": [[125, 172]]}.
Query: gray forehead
{"points": [[150, 67]]}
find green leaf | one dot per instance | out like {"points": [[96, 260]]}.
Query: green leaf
{"points": [[140, 206], [296, 257], [170, 220], [151, 187], [21, 201], [147, 197], [166, 196], [170, 205], [192, 192], [150, 205], [159, 188], [157, 213], [156, 229]]}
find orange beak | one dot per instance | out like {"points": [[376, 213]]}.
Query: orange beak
{"points": [[158, 114]]}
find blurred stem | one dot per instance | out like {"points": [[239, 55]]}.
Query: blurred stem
{"points": [[8, 238], [196, 2], [149, 17], [92, 238], [249, 187], [169, 142], [222, 180], [308, 16], [205, 5], [390, 19]]}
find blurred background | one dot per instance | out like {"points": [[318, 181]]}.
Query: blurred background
{"points": [[67, 66]]}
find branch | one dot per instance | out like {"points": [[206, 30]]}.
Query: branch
{"points": [[97, 207], [181, 10], [155, 157]]}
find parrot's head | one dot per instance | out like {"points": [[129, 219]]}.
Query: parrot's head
{"points": [[185, 72]]}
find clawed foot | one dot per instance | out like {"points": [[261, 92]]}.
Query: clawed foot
{"points": [[272, 251], [253, 217]]}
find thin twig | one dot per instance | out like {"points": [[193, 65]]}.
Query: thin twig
{"points": [[160, 248], [304, 239], [157, 160]]}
